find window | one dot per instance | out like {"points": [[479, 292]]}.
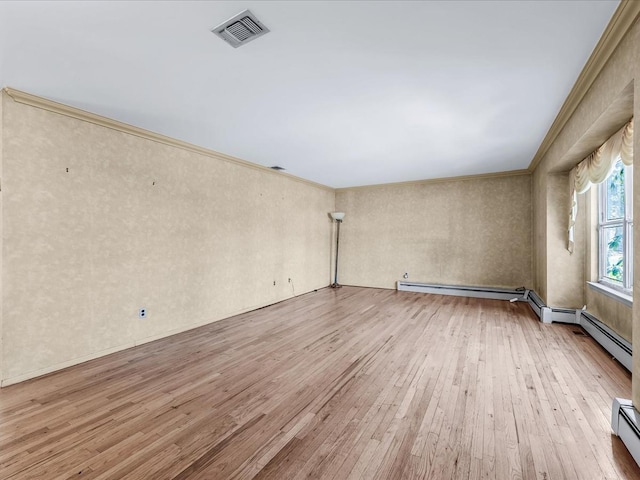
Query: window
{"points": [[615, 228]]}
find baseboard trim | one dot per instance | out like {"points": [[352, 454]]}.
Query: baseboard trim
{"points": [[625, 423], [464, 291]]}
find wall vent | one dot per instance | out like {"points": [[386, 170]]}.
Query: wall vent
{"points": [[240, 29]]}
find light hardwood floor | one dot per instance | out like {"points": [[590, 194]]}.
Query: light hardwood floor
{"points": [[346, 384]]}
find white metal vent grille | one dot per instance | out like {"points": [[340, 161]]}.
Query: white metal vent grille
{"points": [[240, 29]]}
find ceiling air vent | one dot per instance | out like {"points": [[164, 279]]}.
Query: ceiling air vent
{"points": [[240, 29]]}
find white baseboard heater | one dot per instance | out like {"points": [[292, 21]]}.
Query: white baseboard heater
{"points": [[625, 423], [613, 343], [465, 291]]}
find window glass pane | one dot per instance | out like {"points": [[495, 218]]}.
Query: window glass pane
{"points": [[628, 172], [630, 255], [615, 193], [613, 253]]}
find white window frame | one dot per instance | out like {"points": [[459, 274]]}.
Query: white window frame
{"points": [[626, 286]]}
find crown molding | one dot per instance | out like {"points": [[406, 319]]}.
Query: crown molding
{"points": [[621, 22], [462, 178], [79, 114]]}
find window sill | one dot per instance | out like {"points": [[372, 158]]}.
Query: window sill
{"points": [[612, 293]]}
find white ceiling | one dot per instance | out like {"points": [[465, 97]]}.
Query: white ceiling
{"points": [[341, 93]]}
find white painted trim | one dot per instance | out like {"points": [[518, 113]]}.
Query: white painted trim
{"points": [[617, 295]]}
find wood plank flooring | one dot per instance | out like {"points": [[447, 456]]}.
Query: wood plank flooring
{"points": [[345, 384]]}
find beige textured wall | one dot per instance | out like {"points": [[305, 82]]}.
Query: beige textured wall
{"points": [[84, 249], [567, 289], [465, 232], [1, 235], [539, 200], [636, 226], [565, 285]]}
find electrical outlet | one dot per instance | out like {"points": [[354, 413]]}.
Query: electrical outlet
{"points": [[142, 313], [406, 275], [274, 283], [289, 280]]}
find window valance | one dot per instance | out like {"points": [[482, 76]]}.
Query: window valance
{"points": [[596, 168]]}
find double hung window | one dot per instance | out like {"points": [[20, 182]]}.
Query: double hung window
{"points": [[615, 228]]}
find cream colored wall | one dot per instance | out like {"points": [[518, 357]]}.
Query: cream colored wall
{"points": [[566, 285], [560, 277], [136, 223], [636, 228], [1, 236], [539, 200], [464, 232]]}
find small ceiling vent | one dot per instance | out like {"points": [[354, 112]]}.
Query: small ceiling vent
{"points": [[240, 29]]}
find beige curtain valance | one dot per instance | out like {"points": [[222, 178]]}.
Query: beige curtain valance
{"points": [[596, 168]]}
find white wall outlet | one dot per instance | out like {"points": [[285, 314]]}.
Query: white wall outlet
{"points": [[406, 275], [142, 313]]}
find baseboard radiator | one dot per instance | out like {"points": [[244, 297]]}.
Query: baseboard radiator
{"points": [[465, 291], [617, 346], [625, 423], [536, 303]]}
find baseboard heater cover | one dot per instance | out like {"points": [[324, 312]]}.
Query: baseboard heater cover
{"points": [[613, 343], [464, 291], [625, 423], [562, 315], [536, 303]]}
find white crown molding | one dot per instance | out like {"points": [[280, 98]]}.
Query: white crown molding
{"points": [[621, 22], [73, 112], [462, 178]]}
